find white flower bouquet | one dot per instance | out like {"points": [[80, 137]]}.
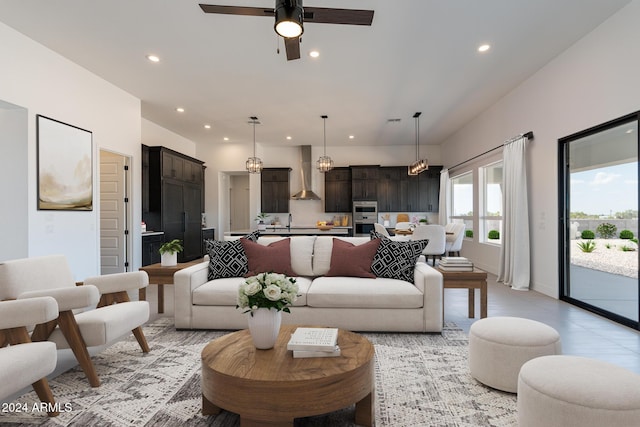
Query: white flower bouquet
{"points": [[267, 290]]}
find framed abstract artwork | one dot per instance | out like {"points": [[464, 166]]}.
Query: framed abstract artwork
{"points": [[65, 166]]}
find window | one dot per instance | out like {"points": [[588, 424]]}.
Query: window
{"points": [[462, 201], [491, 203]]}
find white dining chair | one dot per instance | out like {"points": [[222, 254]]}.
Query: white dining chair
{"points": [[454, 237], [381, 229], [403, 225], [437, 241]]}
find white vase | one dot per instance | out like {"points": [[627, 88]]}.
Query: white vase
{"points": [[169, 259], [262, 226], [264, 326]]}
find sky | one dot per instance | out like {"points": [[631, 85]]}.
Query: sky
{"points": [[605, 191], [602, 191]]}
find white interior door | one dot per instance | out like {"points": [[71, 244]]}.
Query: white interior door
{"points": [[239, 202], [113, 213]]}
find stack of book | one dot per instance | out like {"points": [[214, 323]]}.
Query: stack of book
{"points": [[314, 342], [455, 263]]}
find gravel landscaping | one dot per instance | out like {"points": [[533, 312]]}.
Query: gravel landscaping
{"points": [[612, 260]]}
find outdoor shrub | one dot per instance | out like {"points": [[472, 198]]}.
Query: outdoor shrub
{"points": [[493, 234], [468, 233], [587, 234], [626, 234], [626, 248], [606, 230], [587, 246], [608, 246], [634, 240]]}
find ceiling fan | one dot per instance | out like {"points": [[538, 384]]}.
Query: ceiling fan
{"points": [[290, 15]]}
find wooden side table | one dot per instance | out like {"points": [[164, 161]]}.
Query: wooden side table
{"points": [[271, 388], [161, 275], [472, 280]]}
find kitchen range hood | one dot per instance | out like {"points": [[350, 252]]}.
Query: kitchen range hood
{"points": [[305, 170]]}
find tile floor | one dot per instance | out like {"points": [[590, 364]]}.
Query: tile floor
{"points": [[582, 333]]}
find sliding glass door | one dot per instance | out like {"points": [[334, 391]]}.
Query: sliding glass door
{"points": [[598, 175]]}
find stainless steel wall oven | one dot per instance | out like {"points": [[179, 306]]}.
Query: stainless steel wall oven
{"points": [[365, 214]]}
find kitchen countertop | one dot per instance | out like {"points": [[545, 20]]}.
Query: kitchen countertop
{"points": [[279, 230]]}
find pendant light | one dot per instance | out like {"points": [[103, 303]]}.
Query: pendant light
{"points": [[254, 164], [420, 165], [324, 163]]}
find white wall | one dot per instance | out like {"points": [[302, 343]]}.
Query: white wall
{"points": [[43, 82], [594, 81], [221, 158], [154, 135]]}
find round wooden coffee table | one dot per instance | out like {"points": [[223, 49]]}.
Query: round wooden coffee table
{"points": [[270, 387]]}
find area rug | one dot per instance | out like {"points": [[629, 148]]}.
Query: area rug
{"points": [[421, 380]]}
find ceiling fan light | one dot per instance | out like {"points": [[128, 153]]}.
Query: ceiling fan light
{"points": [[289, 18]]}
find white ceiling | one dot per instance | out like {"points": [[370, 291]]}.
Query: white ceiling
{"points": [[419, 55]]}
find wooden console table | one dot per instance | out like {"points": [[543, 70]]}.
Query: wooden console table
{"points": [[472, 280], [160, 275]]}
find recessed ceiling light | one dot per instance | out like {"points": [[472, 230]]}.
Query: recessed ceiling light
{"points": [[630, 130], [225, 138], [153, 58], [314, 54], [289, 138], [207, 126], [180, 110], [484, 47], [351, 137]]}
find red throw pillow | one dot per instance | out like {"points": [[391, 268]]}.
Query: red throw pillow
{"points": [[274, 258], [348, 259]]}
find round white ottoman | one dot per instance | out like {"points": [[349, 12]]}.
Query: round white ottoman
{"points": [[576, 391], [499, 346]]}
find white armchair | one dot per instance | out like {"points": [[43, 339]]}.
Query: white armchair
{"points": [[24, 362], [78, 325]]}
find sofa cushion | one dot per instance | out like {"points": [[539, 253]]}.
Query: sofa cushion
{"points": [[225, 292], [272, 258], [322, 252], [397, 260], [352, 260], [356, 292], [301, 252], [227, 259]]}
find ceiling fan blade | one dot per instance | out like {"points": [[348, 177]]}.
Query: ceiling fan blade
{"points": [[325, 15], [292, 45], [237, 10]]}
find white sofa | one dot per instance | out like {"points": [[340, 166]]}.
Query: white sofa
{"points": [[353, 303]]}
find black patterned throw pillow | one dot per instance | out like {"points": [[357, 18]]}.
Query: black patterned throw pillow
{"points": [[396, 259], [227, 259]]}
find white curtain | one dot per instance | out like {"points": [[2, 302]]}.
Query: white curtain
{"points": [[444, 207], [515, 267]]}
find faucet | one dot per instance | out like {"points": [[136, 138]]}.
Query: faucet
{"points": [[289, 222]]}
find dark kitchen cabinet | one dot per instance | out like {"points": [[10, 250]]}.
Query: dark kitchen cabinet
{"points": [[420, 193], [364, 182], [389, 189], [429, 187], [337, 190], [175, 199], [150, 248], [274, 190]]}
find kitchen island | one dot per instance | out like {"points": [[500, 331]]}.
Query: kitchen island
{"points": [[279, 230]]}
